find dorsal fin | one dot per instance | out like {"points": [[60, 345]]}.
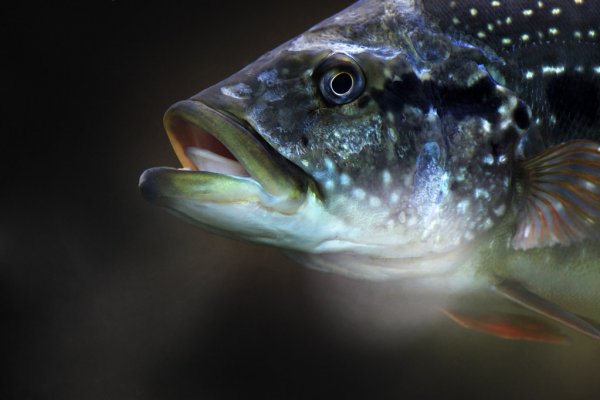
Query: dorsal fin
{"points": [[561, 203]]}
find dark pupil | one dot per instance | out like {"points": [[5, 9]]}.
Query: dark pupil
{"points": [[342, 83]]}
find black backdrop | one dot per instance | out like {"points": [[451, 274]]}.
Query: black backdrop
{"points": [[103, 296]]}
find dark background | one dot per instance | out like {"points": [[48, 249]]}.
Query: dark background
{"points": [[103, 296]]}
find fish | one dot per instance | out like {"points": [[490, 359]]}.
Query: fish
{"points": [[452, 147]]}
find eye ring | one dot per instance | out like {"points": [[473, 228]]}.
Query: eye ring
{"points": [[339, 79], [342, 83]]}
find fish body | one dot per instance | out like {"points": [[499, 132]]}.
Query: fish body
{"points": [[451, 145]]}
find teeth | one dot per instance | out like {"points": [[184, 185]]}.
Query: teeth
{"points": [[210, 162]]}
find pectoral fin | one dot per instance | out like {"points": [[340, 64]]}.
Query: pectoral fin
{"points": [[561, 199], [521, 295], [509, 326]]}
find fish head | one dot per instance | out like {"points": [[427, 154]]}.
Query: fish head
{"points": [[370, 145]]}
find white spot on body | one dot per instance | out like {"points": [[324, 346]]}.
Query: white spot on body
{"points": [[479, 193], [592, 34], [500, 210], [394, 198], [463, 206], [553, 70], [540, 4], [359, 194], [553, 31], [506, 41], [473, 12], [387, 177], [529, 75], [481, 35], [329, 165], [490, 27], [556, 11], [525, 37], [487, 126], [597, 69], [432, 115], [577, 34], [402, 217], [455, 21], [345, 180], [508, 20], [496, 4], [528, 12], [330, 184], [374, 201], [488, 159]]}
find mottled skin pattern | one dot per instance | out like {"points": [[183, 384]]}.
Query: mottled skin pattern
{"points": [[421, 169]]}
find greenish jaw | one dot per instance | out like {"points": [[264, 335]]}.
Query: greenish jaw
{"points": [[232, 182]]}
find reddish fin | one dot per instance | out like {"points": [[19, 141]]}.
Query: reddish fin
{"points": [[519, 294], [562, 196], [510, 326]]}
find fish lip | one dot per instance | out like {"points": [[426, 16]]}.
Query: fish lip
{"points": [[194, 121]]}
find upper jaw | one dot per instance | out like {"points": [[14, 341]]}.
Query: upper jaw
{"points": [[224, 161]]}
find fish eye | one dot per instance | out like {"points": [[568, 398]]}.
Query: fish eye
{"points": [[340, 79]]}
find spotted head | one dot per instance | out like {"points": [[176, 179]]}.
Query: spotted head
{"points": [[372, 144]]}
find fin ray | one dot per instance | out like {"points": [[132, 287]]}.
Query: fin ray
{"points": [[519, 294], [562, 200]]}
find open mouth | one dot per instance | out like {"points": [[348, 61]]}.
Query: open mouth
{"points": [[198, 150], [223, 161]]}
